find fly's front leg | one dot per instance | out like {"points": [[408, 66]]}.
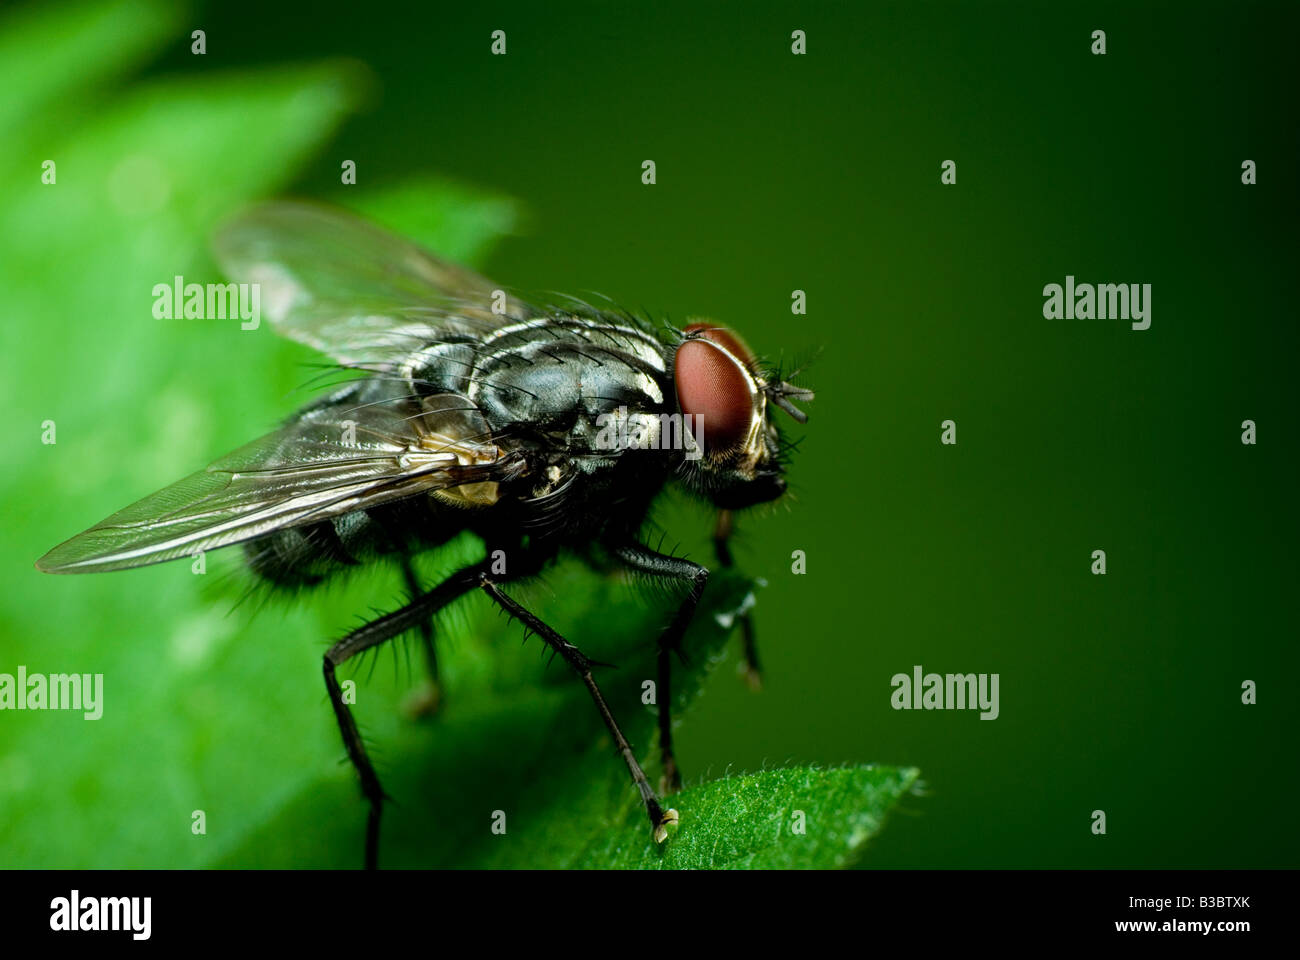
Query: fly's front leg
{"points": [[363, 638], [660, 819], [722, 547], [647, 561]]}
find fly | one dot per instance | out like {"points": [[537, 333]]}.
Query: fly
{"points": [[537, 428]]}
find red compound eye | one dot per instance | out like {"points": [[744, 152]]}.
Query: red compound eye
{"points": [[713, 385]]}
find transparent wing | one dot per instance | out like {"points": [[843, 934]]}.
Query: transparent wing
{"points": [[334, 459], [352, 290]]}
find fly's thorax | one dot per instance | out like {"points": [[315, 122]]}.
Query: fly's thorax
{"points": [[566, 377], [445, 365]]}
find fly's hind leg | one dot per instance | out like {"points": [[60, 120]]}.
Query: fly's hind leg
{"points": [[428, 700], [660, 819], [409, 617], [753, 671]]}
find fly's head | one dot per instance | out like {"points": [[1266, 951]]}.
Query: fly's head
{"points": [[728, 398]]}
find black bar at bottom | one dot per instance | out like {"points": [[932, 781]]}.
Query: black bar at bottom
{"points": [[328, 911]]}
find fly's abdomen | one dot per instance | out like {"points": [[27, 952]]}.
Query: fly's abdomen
{"points": [[302, 556], [307, 555]]}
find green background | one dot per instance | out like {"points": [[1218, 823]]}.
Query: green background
{"points": [[775, 173]]}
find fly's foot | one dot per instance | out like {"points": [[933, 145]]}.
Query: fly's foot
{"points": [[660, 819], [669, 818]]}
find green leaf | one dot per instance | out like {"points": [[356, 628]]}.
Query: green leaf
{"points": [[793, 818], [52, 55]]}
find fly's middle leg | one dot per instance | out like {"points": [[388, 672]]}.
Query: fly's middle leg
{"points": [[660, 819]]}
